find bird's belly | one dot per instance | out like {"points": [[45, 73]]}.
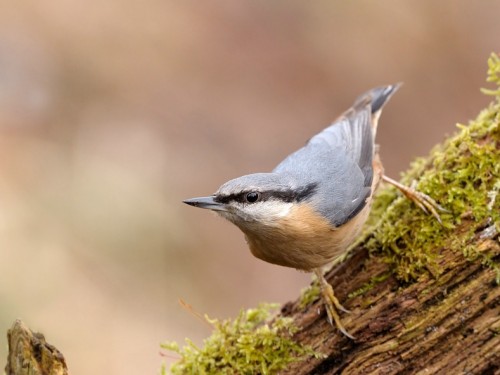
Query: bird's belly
{"points": [[303, 240]]}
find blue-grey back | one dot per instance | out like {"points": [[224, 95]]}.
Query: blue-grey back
{"points": [[339, 160]]}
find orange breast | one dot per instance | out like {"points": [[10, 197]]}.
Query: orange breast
{"points": [[303, 239]]}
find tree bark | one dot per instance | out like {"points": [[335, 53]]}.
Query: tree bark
{"points": [[449, 325], [30, 354]]}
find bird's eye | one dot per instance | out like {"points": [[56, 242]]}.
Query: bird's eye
{"points": [[252, 197]]}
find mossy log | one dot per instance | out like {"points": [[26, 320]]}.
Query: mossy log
{"points": [[448, 325]]}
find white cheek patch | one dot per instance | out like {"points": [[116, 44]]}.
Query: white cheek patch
{"points": [[266, 212]]}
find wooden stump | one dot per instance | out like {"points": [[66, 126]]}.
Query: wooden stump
{"points": [[30, 354]]}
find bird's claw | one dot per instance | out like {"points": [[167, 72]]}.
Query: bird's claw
{"points": [[423, 201], [332, 304]]}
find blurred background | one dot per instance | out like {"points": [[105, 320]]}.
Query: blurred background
{"points": [[113, 112]]}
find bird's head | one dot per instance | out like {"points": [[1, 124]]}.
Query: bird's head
{"points": [[255, 199]]}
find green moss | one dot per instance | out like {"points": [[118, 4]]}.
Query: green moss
{"points": [[249, 344], [309, 294], [462, 175], [493, 74]]}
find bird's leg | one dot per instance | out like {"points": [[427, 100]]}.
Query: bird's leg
{"points": [[331, 302], [426, 203]]}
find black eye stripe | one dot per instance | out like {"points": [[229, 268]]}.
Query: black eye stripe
{"points": [[287, 196]]}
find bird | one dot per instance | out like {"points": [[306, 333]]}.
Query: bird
{"points": [[308, 210]]}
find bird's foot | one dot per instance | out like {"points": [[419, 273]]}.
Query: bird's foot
{"points": [[423, 201], [332, 304]]}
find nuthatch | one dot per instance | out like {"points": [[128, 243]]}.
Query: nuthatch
{"points": [[312, 206]]}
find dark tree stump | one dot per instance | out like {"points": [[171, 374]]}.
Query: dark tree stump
{"points": [[30, 354]]}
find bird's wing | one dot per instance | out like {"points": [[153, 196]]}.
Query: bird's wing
{"points": [[339, 160]]}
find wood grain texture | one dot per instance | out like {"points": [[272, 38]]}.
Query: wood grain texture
{"points": [[448, 325]]}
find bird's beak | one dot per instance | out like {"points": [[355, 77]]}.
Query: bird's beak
{"points": [[206, 202]]}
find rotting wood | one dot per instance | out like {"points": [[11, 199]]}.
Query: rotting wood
{"points": [[448, 325], [30, 354]]}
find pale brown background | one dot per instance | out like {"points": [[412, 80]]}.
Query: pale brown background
{"points": [[112, 112]]}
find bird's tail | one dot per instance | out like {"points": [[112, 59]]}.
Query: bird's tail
{"points": [[377, 97]]}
